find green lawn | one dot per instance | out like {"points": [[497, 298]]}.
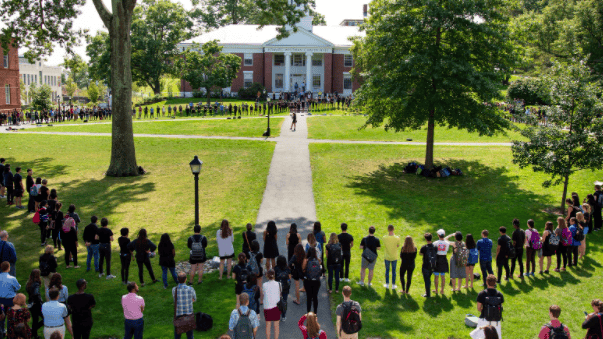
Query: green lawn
{"points": [[363, 185], [222, 127], [346, 128], [231, 185]]}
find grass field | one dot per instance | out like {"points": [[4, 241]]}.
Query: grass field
{"points": [[346, 128], [231, 186], [222, 127], [363, 185]]}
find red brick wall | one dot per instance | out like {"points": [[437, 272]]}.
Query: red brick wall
{"points": [[10, 77], [268, 71], [258, 68], [328, 72], [338, 70]]}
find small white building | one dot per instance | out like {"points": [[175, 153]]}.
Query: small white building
{"points": [[40, 74]]}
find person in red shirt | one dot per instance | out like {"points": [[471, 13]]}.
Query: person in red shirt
{"points": [[555, 325], [313, 329]]}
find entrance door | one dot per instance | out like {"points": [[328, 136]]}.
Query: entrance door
{"points": [[300, 79]]}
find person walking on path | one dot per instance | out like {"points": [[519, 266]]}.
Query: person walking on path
{"points": [[197, 244], [243, 321], [225, 247], [184, 296], [311, 267], [502, 253], [334, 258], [56, 316], [429, 254], [489, 304], [35, 300], [105, 237], [369, 245], [8, 253], [293, 238], [345, 311], [293, 121], [408, 255], [133, 306], [312, 330], [484, 246], [143, 247], [391, 242], [92, 243], [282, 275], [519, 238], [167, 253], [272, 293], [270, 244], [296, 267], [554, 328], [442, 246], [125, 255], [347, 242], [593, 322], [81, 305]]}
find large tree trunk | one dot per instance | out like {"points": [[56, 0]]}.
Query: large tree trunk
{"points": [[430, 138], [123, 155], [564, 195], [208, 92]]}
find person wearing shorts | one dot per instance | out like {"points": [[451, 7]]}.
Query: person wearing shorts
{"points": [[442, 247], [373, 244], [197, 264]]}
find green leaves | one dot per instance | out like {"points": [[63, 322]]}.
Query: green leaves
{"points": [[40, 97]]}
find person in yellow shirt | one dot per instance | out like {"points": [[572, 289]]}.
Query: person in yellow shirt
{"points": [[392, 245]]}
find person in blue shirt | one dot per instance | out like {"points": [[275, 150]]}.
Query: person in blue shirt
{"points": [[55, 315], [235, 315], [8, 289], [8, 253], [484, 246], [572, 251]]}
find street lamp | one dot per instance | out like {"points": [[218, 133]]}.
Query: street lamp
{"points": [[268, 127], [196, 169]]}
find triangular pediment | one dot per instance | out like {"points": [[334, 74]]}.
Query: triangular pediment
{"points": [[299, 38]]}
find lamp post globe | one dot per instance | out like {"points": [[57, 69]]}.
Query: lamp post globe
{"points": [[196, 165]]}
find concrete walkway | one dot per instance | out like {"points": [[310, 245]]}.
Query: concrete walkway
{"points": [[289, 198]]}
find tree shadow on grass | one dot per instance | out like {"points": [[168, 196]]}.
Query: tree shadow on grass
{"points": [[391, 310]]}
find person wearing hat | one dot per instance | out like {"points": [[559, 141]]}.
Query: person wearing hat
{"points": [[81, 304], [442, 246], [598, 205]]}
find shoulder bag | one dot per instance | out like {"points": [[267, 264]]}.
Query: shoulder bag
{"points": [[369, 255], [282, 305], [185, 323]]}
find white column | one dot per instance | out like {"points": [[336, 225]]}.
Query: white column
{"points": [[287, 79], [309, 71]]}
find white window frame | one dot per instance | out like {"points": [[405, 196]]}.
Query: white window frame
{"points": [[7, 93], [314, 84], [5, 61], [348, 60], [347, 77], [282, 80], [247, 79], [294, 62], [248, 59]]}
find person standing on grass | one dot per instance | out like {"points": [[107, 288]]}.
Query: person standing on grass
{"points": [[519, 238], [312, 329], [270, 244], [56, 316], [408, 255], [81, 305], [243, 321], [321, 239], [105, 237], [334, 256], [184, 296], [295, 265], [8, 289], [143, 247], [484, 246], [565, 241], [68, 236], [293, 238], [458, 261], [125, 255], [8, 183], [225, 247], [502, 253], [29, 183], [92, 243], [533, 248], [593, 322], [197, 243], [345, 311], [248, 236], [572, 255], [240, 272], [347, 242], [583, 222], [489, 304], [391, 242], [43, 224], [442, 246], [59, 217], [548, 248], [8, 253], [18, 314], [35, 300], [571, 210], [48, 265], [2, 187], [133, 306], [167, 253], [598, 206], [372, 244], [19, 188], [554, 328], [429, 254], [56, 281]]}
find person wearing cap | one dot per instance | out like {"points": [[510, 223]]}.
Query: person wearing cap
{"points": [[598, 206], [442, 246], [81, 304]]}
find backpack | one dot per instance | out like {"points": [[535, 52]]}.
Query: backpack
{"points": [[566, 238], [461, 255], [36, 218], [197, 250], [335, 254], [473, 256], [44, 268], [33, 191], [553, 241], [313, 270], [432, 257], [283, 277], [535, 240], [243, 328], [68, 223], [557, 332], [251, 292], [350, 318], [493, 308], [242, 276], [579, 234], [253, 263], [511, 253], [204, 321]]}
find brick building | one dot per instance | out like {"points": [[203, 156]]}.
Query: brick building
{"points": [[316, 58], [10, 94]]}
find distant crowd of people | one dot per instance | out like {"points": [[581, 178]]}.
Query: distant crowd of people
{"points": [[58, 114]]}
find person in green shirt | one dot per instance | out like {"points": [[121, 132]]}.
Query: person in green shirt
{"points": [[392, 244]]}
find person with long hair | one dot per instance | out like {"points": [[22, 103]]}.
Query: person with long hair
{"points": [[197, 257], [56, 281], [35, 300], [43, 224], [296, 266], [593, 322], [312, 327], [240, 272], [18, 314], [576, 201], [457, 272], [293, 238], [333, 249], [490, 332], [548, 250], [408, 255], [321, 239], [270, 245], [572, 254], [143, 247], [167, 253], [248, 237], [225, 247], [58, 223], [571, 210], [68, 236], [272, 293], [531, 252], [283, 276], [565, 241], [48, 264], [584, 224], [311, 285], [471, 260]]}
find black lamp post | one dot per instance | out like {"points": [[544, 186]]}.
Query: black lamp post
{"points": [[268, 129], [196, 169]]}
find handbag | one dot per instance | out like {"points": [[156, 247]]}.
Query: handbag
{"points": [[281, 304], [184, 323], [369, 255]]}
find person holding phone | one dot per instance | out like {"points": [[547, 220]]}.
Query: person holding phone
{"points": [[593, 322]]}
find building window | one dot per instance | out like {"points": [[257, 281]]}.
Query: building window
{"points": [[248, 79], [348, 61], [41, 77], [279, 60], [278, 81], [248, 59], [6, 61], [298, 60], [347, 81], [317, 60], [316, 81], [7, 93], [36, 78]]}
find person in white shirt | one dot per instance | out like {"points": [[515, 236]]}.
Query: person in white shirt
{"points": [[442, 247], [225, 247], [272, 294]]}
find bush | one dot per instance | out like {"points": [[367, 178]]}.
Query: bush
{"points": [[251, 93], [533, 91]]}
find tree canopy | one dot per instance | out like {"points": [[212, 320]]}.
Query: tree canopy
{"points": [[78, 70]]}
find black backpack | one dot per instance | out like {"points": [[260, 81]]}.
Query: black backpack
{"points": [[511, 253], [432, 257], [493, 308], [283, 277], [335, 254], [243, 274], [557, 332], [350, 318], [579, 234], [204, 321]]}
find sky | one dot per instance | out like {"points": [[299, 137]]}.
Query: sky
{"points": [[333, 10]]}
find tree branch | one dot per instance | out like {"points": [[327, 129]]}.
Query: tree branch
{"points": [[103, 12]]}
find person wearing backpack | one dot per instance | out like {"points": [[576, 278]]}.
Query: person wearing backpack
{"points": [[583, 220], [42, 215], [503, 252], [429, 254], [321, 239], [349, 316], [484, 246], [243, 321], [550, 243], [533, 246], [197, 243], [458, 261], [47, 264], [565, 241], [29, 183], [283, 277], [313, 272], [240, 272], [334, 260], [519, 238], [489, 304], [577, 237], [251, 288], [391, 242], [593, 322], [554, 329], [370, 245], [255, 259], [312, 330]]}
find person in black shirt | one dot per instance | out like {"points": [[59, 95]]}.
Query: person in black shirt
{"points": [[29, 182], [239, 276], [44, 191], [125, 255], [80, 305], [19, 189], [248, 237], [519, 238], [167, 252], [502, 255], [33, 288], [593, 322], [92, 243], [104, 236], [408, 254], [58, 223], [373, 244], [143, 247], [8, 182], [2, 188], [68, 236], [426, 269], [489, 296], [347, 242]]}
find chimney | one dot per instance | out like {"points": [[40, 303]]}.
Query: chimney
{"points": [[365, 10]]}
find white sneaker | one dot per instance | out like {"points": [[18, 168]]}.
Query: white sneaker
{"points": [[110, 276], [370, 284], [347, 279], [100, 275], [360, 283], [386, 286], [394, 287]]}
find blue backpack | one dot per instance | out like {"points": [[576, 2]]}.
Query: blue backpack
{"points": [[473, 256], [251, 292]]}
